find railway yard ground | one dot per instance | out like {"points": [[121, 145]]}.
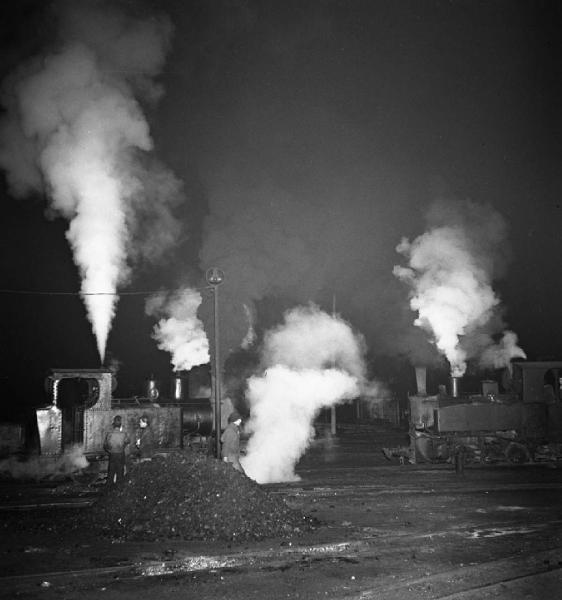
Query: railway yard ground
{"points": [[385, 531]]}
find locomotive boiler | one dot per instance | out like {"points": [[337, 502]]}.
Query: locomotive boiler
{"points": [[517, 418]]}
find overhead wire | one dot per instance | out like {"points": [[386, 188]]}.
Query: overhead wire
{"points": [[121, 293]]}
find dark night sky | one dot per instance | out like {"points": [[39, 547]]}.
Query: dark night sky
{"points": [[310, 138]]}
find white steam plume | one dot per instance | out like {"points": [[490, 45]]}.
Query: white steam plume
{"points": [[450, 274], [73, 125], [180, 331], [311, 361], [497, 356], [71, 461], [250, 336], [312, 339], [284, 403]]}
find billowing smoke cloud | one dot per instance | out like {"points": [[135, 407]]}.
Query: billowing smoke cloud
{"points": [[74, 126], [311, 338], [287, 241], [499, 355], [310, 362], [450, 272], [180, 331]]}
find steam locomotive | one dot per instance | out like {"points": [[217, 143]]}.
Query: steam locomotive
{"points": [[517, 419], [81, 408]]}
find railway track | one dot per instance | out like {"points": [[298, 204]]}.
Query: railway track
{"points": [[397, 548], [537, 573], [384, 489], [536, 585], [372, 546]]}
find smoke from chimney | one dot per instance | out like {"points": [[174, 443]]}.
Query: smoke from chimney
{"points": [[180, 331], [450, 272], [74, 127]]}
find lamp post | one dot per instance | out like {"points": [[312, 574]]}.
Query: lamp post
{"points": [[214, 278]]}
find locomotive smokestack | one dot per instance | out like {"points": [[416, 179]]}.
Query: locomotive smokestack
{"points": [[455, 386], [421, 381]]}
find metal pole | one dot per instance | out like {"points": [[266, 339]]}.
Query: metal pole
{"points": [[333, 427], [214, 278], [217, 376]]}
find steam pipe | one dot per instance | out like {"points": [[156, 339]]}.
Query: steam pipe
{"points": [[421, 381]]}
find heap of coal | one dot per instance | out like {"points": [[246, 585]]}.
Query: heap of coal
{"points": [[189, 496]]}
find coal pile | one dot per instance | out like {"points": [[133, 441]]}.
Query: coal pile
{"points": [[188, 496]]}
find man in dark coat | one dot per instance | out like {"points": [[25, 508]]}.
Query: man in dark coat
{"points": [[115, 443], [231, 441], [145, 439]]}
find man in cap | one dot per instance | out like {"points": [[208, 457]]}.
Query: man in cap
{"points": [[115, 443], [144, 439], [231, 441]]}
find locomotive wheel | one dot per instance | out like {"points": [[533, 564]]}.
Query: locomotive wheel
{"points": [[517, 453]]}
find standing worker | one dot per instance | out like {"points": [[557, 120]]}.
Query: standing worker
{"points": [[144, 439], [115, 443], [231, 441]]}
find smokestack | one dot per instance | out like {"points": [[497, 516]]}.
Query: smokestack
{"points": [[180, 386], [455, 386], [421, 381]]}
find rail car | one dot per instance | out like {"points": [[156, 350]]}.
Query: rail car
{"points": [[517, 419]]}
